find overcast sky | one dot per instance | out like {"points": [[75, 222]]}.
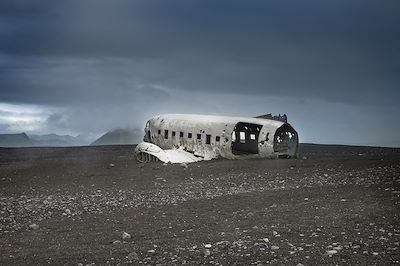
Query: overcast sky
{"points": [[85, 67]]}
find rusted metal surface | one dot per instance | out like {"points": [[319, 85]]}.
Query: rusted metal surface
{"points": [[178, 138]]}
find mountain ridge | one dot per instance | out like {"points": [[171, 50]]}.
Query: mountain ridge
{"points": [[15, 140], [46, 140], [120, 136]]}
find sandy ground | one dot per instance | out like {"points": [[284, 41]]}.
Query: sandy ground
{"points": [[71, 206]]}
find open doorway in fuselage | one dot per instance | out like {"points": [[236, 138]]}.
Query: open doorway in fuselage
{"points": [[245, 138]]}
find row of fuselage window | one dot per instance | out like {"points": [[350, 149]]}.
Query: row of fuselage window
{"points": [[189, 136]]}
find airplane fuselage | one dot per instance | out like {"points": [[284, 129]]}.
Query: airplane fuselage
{"points": [[211, 137]]}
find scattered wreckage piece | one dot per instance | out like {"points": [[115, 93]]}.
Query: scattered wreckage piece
{"points": [[148, 152], [181, 138]]}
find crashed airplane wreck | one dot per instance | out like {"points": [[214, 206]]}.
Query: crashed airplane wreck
{"points": [[181, 138]]}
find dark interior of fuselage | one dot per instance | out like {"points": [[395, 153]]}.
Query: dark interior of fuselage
{"points": [[245, 138]]}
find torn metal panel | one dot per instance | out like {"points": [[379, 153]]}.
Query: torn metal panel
{"points": [[148, 152], [178, 138], [279, 117]]}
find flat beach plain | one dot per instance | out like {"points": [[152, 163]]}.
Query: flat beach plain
{"points": [[71, 206]]}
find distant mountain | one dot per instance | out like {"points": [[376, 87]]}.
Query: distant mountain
{"points": [[15, 140], [120, 137], [58, 140], [114, 137]]}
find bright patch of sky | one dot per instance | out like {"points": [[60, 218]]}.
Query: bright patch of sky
{"points": [[16, 118]]}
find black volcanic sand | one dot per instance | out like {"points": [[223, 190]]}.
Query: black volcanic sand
{"points": [[335, 205]]}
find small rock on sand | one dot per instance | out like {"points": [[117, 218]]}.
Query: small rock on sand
{"points": [[33, 226], [331, 252], [125, 235], [132, 256]]}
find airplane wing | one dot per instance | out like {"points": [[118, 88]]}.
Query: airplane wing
{"points": [[147, 152]]}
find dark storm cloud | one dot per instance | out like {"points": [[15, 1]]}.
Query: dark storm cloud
{"points": [[62, 81], [345, 51]]}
